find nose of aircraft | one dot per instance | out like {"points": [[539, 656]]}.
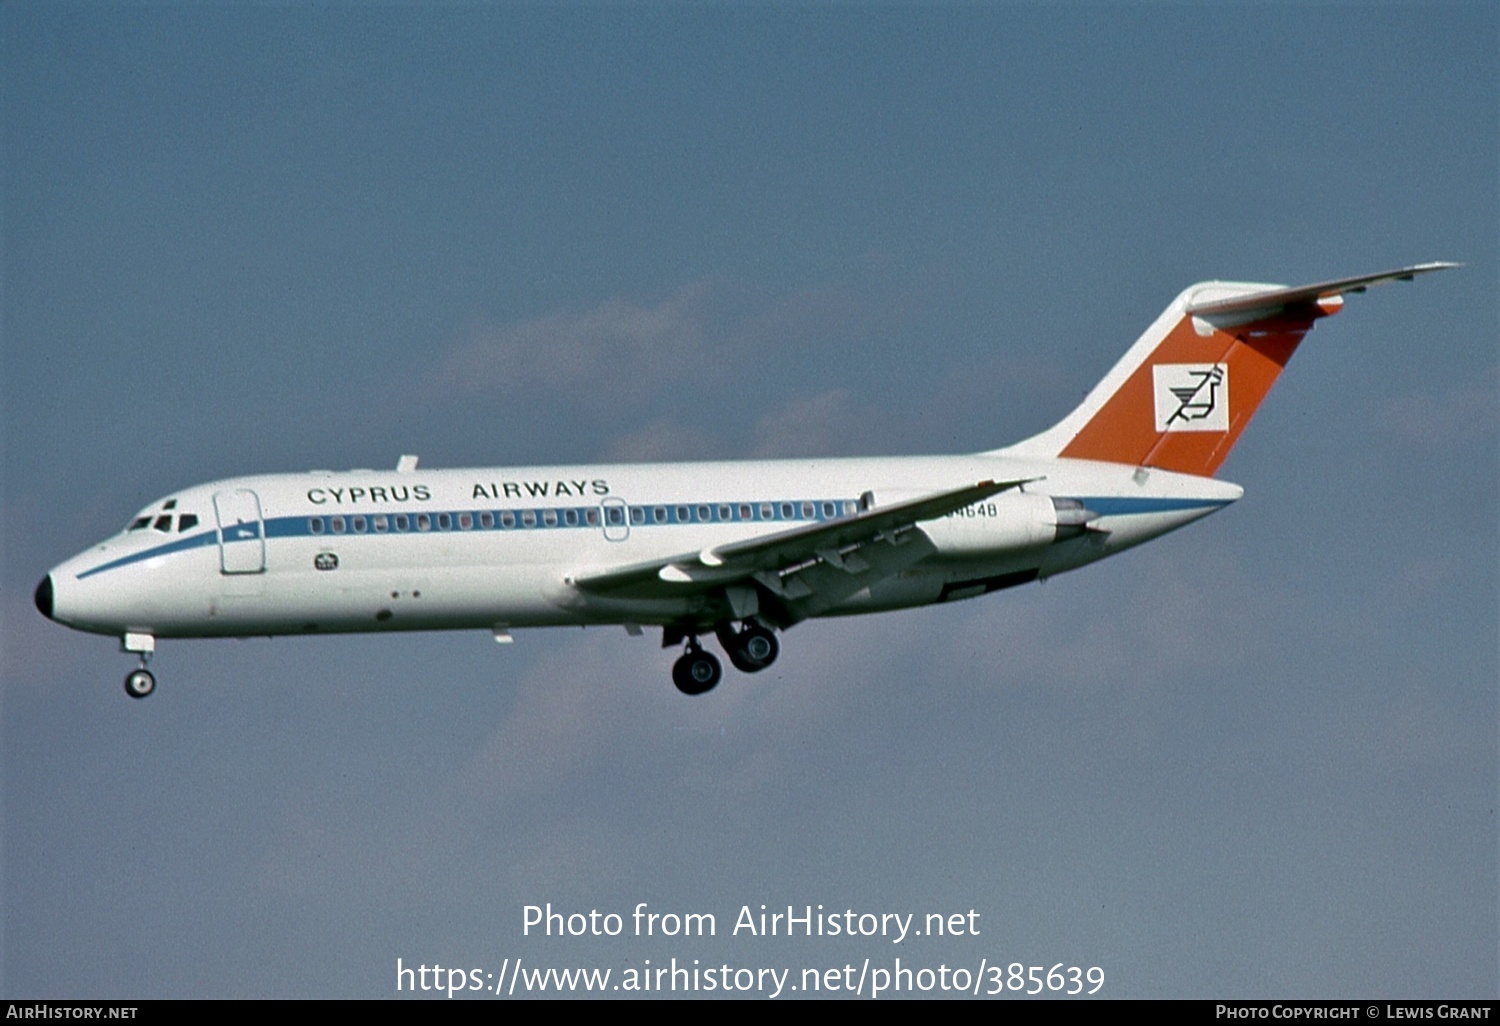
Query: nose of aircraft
{"points": [[44, 596]]}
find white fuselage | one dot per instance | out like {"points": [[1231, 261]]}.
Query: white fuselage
{"points": [[369, 550]]}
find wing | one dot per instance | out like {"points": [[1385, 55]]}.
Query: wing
{"points": [[807, 568]]}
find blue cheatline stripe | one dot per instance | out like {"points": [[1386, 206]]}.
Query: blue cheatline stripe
{"points": [[193, 541], [1121, 507], [637, 516], [673, 514]]}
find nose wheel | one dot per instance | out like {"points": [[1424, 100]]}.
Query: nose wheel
{"points": [[696, 671], [139, 683]]}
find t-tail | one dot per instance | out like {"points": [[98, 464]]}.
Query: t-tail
{"points": [[1180, 397]]}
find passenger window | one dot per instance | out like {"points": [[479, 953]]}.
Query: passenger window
{"points": [[380, 522], [486, 520], [614, 515], [684, 515], [746, 513], [315, 525], [424, 522], [187, 522], [507, 520], [637, 515], [337, 523], [767, 511], [445, 522], [592, 516], [808, 512], [786, 511], [549, 517], [828, 509], [705, 514], [570, 516], [403, 522], [659, 514], [465, 521], [725, 513], [528, 518], [359, 524]]}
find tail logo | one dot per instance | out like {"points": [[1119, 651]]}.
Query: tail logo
{"points": [[1191, 396]]}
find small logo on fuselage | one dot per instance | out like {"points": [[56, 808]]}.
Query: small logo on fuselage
{"points": [[325, 561], [1191, 396]]}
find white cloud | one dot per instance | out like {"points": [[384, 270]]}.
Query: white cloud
{"points": [[812, 426], [663, 439], [632, 349], [706, 339]]}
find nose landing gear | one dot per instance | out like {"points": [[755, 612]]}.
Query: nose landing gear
{"points": [[139, 682]]}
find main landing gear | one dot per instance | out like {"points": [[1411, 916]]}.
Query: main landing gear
{"points": [[751, 649], [697, 671]]}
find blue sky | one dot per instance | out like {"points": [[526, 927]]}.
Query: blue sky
{"points": [[1255, 758]]}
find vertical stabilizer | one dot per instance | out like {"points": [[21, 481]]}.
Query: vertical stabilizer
{"points": [[1181, 396]]}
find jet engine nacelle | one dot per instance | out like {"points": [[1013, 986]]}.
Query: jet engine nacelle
{"points": [[1008, 522]]}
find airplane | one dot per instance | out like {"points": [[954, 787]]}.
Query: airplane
{"points": [[741, 551]]}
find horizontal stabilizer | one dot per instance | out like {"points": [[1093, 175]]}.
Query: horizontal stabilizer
{"points": [[1277, 300]]}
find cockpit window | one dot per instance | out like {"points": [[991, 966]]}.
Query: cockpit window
{"points": [[162, 520]]}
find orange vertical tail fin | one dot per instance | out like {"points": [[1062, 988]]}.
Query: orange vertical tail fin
{"points": [[1181, 396]]}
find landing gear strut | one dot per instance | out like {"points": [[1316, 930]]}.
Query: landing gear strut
{"points": [[697, 671], [139, 682], [752, 649]]}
